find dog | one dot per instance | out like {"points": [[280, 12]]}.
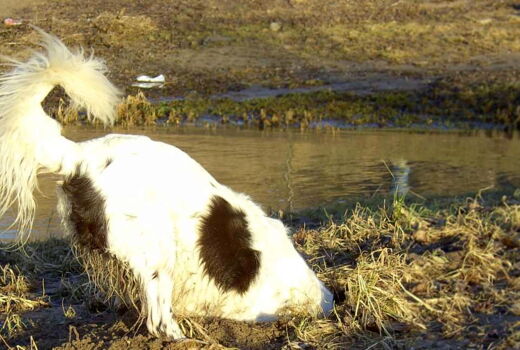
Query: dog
{"points": [[196, 247]]}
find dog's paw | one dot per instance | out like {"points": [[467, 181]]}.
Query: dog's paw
{"points": [[172, 330], [169, 329]]}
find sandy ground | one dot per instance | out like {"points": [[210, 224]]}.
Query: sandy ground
{"points": [[11, 7]]}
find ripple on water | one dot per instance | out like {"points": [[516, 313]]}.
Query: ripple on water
{"points": [[291, 170]]}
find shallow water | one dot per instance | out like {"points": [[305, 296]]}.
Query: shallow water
{"points": [[291, 170]]}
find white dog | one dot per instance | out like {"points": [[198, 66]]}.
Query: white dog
{"points": [[197, 247]]}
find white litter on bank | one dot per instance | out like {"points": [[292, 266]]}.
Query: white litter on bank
{"points": [[147, 82]]}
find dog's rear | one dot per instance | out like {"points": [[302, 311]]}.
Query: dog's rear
{"points": [[183, 235]]}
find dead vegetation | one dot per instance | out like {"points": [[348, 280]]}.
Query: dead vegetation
{"points": [[400, 273], [136, 111], [464, 54], [442, 105], [215, 46], [15, 300]]}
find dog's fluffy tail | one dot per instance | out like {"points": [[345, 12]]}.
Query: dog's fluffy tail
{"points": [[31, 141]]}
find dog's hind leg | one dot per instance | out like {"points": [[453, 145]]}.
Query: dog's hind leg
{"points": [[146, 242], [168, 323], [160, 319]]}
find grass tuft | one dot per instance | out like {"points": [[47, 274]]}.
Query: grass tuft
{"points": [[399, 273]]}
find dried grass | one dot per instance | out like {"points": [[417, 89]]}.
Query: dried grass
{"points": [[136, 110], [392, 280], [113, 279], [14, 300], [389, 284], [118, 29]]}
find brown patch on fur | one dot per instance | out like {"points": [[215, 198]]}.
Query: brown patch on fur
{"points": [[87, 214], [225, 247]]}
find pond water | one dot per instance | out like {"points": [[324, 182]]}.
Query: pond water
{"points": [[289, 170]]}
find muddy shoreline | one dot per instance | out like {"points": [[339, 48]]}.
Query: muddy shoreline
{"points": [[440, 275]]}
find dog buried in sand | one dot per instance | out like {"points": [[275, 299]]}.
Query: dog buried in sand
{"points": [[196, 247]]}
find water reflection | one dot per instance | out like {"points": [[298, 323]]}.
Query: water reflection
{"points": [[400, 178], [290, 170]]}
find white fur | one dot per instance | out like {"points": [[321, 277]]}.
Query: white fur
{"points": [[155, 197], [30, 141]]}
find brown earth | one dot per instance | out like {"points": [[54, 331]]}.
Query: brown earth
{"points": [[214, 46], [404, 277]]}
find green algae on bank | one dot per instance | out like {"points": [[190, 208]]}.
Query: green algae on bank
{"points": [[447, 103], [443, 103]]}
